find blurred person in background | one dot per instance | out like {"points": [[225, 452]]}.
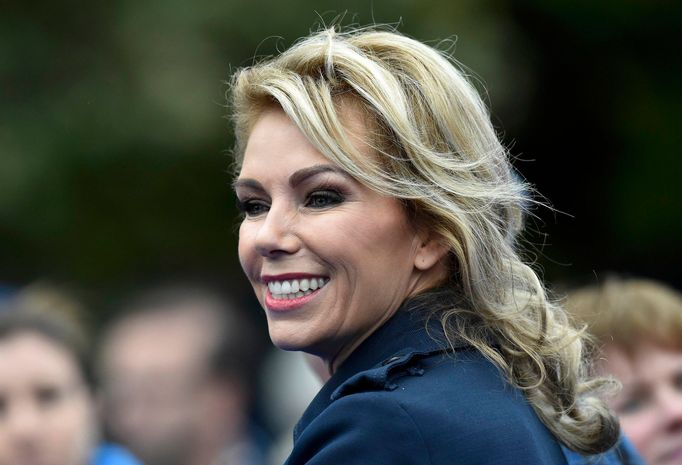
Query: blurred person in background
{"points": [[177, 369], [47, 408], [638, 326], [290, 381]]}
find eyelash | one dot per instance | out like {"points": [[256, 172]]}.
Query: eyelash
{"points": [[248, 207], [252, 207], [330, 196]]}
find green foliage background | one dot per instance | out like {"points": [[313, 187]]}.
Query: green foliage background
{"points": [[114, 149]]}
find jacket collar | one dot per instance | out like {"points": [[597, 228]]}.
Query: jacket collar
{"points": [[407, 333]]}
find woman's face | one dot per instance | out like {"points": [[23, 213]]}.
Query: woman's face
{"points": [[46, 412], [329, 259], [650, 404]]}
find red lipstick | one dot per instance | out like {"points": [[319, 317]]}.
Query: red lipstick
{"points": [[283, 305]]}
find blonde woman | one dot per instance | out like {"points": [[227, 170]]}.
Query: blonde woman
{"points": [[380, 218]]}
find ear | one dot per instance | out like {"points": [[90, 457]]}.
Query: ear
{"points": [[430, 251]]}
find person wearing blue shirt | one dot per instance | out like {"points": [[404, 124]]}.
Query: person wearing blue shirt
{"points": [[112, 454], [47, 407]]}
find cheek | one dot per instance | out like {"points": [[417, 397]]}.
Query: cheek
{"points": [[377, 258], [380, 243], [4, 447], [77, 425], [67, 437], [245, 248], [640, 429]]}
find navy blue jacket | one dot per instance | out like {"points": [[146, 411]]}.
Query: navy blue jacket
{"points": [[402, 399]]}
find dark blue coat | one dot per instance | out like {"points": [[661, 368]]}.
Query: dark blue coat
{"points": [[401, 399]]}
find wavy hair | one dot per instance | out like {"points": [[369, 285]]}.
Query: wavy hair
{"points": [[438, 152]]}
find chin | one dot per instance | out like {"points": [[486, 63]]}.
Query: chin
{"points": [[284, 344], [286, 341], [294, 341]]}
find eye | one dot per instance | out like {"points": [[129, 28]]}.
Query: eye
{"points": [[632, 405], [47, 396], [323, 199], [252, 207], [677, 380]]}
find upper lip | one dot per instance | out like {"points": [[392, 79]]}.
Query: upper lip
{"points": [[266, 278]]}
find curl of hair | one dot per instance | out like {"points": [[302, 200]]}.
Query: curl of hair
{"points": [[437, 150]]}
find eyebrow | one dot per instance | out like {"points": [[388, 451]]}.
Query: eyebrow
{"points": [[301, 175], [296, 178], [246, 182]]}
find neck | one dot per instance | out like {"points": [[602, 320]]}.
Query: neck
{"points": [[335, 362]]}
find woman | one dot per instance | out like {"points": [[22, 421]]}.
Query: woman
{"points": [[47, 410], [638, 325], [380, 218]]}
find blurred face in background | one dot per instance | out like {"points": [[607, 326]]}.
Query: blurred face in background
{"points": [[160, 400], [46, 410], [650, 404]]}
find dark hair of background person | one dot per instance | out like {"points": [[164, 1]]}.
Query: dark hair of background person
{"points": [[177, 365], [235, 333], [61, 329], [112, 148]]}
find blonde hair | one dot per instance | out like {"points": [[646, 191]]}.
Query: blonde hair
{"points": [[436, 150], [624, 312]]}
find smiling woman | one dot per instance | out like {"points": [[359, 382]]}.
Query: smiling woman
{"points": [[379, 234], [309, 221]]}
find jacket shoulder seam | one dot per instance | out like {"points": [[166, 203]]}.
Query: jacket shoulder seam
{"points": [[417, 428]]}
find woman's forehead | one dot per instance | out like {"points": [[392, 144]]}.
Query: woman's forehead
{"points": [[273, 125]]}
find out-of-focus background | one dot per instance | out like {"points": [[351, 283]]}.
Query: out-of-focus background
{"points": [[114, 149], [115, 173]]}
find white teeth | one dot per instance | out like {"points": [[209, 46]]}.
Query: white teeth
{"points": [[295, 288]]}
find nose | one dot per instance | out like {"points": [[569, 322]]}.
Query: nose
{"points": [[276, 233]]}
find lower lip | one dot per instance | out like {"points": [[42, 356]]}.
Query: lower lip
{"points": [[284, 305]]}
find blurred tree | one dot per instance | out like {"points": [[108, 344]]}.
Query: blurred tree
{"points": [[604, 130], [114, 149]]}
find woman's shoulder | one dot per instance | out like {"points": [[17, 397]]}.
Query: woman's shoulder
{"points": [[365, 423], [447, 389], [434, 409]]}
